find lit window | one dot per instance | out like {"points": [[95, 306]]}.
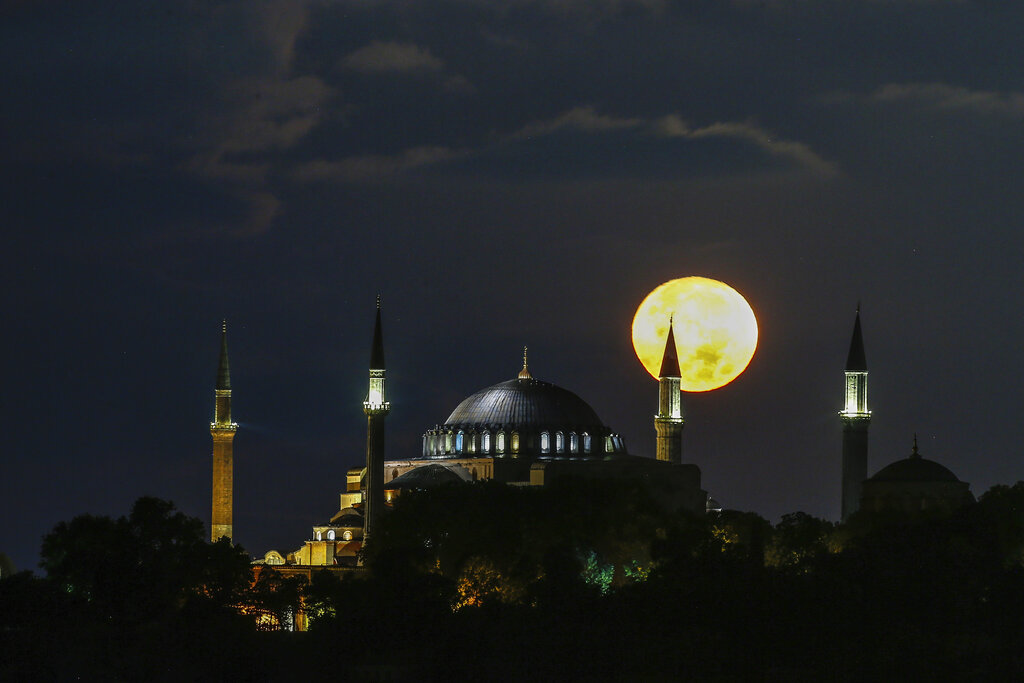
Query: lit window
{"points": [[559, 442], [574, 443], [346, 535], [545, 442], [458, 442], [586, 442], [515, 442], [608, 447], [330, 534], [487, 442], [318, 536], [500, 442]]}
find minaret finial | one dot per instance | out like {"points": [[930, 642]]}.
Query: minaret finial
{"points": [[525, 372], [915, 454], [378, 301]]}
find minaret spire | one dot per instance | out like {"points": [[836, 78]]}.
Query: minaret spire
{"points": [[222, 429], [856, 417], [669, 422], [376, 407]]}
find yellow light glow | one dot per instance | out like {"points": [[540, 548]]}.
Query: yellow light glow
{"points": [[715, 331]]}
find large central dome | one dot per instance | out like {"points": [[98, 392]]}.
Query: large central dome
{"points": [[526, 403], [523, 417]]}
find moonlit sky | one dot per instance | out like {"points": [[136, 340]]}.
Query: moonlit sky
{"points": [[504, 173]]}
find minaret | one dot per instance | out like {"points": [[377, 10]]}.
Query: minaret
{"points": [[223, 431], [376, 408], [856, 418], [668, 423]]}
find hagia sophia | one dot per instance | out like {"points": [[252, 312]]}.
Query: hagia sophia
{"points": [[528, 432]]}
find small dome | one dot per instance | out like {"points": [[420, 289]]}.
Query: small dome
{"points": [[525, 403], [914, 469], [424, 478]]}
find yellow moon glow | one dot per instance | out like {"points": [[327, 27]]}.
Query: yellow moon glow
{"points": [[714, 327]]}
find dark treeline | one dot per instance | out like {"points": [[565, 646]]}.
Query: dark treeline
{"points": [[576, 581]]}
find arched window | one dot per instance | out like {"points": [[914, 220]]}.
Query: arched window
{"points": [[560, 442], [545, 442], [330, 534], [486, 441], [346, 535], [459, 438], [318, 536], [574, 443], [608, 447], [586, 442], [500, 442], [515, 442], [447, 442]]}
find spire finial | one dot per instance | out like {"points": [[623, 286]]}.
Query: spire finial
{"points": [[378, 301], [915, 454], [525, 372], [224, 325]]}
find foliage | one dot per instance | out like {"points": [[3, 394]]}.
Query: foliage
{"points": [[797, 541], [145, 566]]}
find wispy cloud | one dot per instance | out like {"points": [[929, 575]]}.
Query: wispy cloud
{"points": [[381, 56]]}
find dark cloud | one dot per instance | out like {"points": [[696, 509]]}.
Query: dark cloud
{"points": [[507, 173]]}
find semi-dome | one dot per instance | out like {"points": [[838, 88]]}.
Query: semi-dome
{"points": [[522, 417]]}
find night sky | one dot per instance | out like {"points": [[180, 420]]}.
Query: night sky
{"points": [[503, 172]]}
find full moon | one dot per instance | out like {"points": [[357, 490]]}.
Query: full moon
{"points": [[714, 327]]}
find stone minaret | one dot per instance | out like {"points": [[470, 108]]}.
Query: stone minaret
{"points": [[668, 423], [856, 417], [376, 408], [223, 431]]}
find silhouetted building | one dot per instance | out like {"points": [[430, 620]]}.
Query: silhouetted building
{"points": [[522, 431], [914, 485]]}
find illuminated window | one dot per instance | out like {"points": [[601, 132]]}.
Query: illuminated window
{"points": [[586, 442], [458, 441], [515, 442], [486, 440], [330, 534], [346, 535], [545, 442], [447, 442], [500, 442], [608, 447], [318, 536], [560, 442], [574, 443]]}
